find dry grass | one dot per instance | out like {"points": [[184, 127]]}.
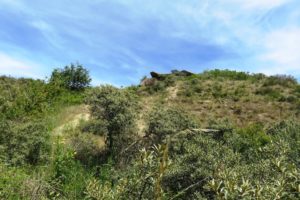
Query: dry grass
{"points": [[238, 101]]}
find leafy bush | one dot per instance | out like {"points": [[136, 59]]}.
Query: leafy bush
{"points": [[288, 131], [170, 80], [22, 97], [95, 127], [297, 90], [11, 179], [24, 143], [228, 74], [88, 148], [167, 121], [283, 80], [269, 91], [142, 180], [195, 157], [248, 140], [279, 179], [73, 77], [67, 174], [114, 107]]}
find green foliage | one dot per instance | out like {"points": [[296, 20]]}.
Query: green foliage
{"points": [[161, 85], [248, 140], [170, 80], [227, 162], [195, 158], [167, 121], [228, 74], [283, 80], [191, 88], [297, 91], [282, 183], [25, 143], [269, 91], [22, 97], [87, 147], [73, 77], [288, 131], [11, 179], [208, 167], [115, 108], [142, 180], [95, 127], [67, 174]]}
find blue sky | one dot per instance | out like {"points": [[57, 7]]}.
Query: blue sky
{"points": [[120, 41]]}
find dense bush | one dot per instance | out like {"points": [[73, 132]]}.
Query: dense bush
{"points": [[141, 180], [88, 148], [22, 97], [25, 143], [270, 92], [283, 80], [207, 167], [229, 74], [248, 140], [115, 108], [174, 160], [168, 121], [288, 131], [73, 77], [297, 90], [67, 175]]}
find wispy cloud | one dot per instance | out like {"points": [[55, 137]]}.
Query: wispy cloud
{"points": [[16, 67], [259, 4], [282, 51], [120, 41]]}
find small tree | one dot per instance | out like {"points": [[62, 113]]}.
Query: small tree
{"points": [[115, 107], [73, 77]]}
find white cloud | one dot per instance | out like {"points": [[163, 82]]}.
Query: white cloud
{"points": [[16, 67], [49, 32], [282, 48], [259, 4]]}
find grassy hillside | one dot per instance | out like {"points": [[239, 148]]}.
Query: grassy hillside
{"points": [[240, 97], [216, 135]]}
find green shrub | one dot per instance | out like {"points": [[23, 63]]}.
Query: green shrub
{"points": [[170, 80], [22, 97], [217, 91], [73, 77], [11, 179], [115, 108], [141, 180], [95, 127], [195, 157], [67, 174], [25, 143], [283, 80], [289, 98], [297, 90], [288, 131], [273, 177], [159, 86], [167, 121], [269, 91], [228, 74], [87, 147], [186, 91], [257, 77], [248, 140]]}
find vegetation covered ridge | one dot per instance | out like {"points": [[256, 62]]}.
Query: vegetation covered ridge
{"points": [[220, 134]]}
